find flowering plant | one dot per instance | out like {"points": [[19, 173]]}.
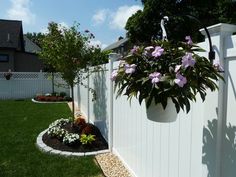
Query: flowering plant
{"points": [[8, 75], [164, 70], [71, 138]]}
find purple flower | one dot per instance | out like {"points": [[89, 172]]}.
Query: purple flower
{"points": [[217, 66], [114, 75], [157, 52], [129, 69], [180, 80], [155, 77], [187, 60], [134, 49], [189, 40]]}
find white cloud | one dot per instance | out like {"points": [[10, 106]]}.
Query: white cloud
{"points": [[61, 25], [97, 43], [20, 10], [120, 17], [100, 16]]}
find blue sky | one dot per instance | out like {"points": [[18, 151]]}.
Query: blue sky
{"points": [[104, 18]]}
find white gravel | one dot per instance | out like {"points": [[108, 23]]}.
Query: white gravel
{"points": [[112, 166]]}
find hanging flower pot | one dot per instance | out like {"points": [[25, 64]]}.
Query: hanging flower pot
{"points": [[156, 112], [163, 71], [8, 75]]}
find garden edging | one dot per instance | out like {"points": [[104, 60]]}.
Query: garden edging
{"points": [[44, 148], [33, 100]]}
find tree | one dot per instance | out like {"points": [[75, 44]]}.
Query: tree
{"points": [[68, 51], [35, 37], [145, 25]]}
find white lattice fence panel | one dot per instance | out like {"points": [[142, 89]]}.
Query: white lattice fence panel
{"points": [[28, 84]]}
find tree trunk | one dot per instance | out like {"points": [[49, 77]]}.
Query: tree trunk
{"points": [[53, 82], [73, 103]]}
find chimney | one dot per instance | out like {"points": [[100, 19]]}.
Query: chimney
{"points": [[8, 37]]}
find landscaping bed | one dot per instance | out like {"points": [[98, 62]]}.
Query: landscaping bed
{"points": [[98, 144], [52, 97], [74, 136]]}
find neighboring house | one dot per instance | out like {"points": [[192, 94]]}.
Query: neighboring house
{"points": [[122, 46], [17, 52]]}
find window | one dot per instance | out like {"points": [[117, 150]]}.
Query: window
{"points": [[4, 58]]}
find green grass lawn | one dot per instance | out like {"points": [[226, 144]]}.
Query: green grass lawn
{"points": [[20, 124]]}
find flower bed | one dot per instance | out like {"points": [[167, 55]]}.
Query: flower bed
{"points": [[74, 136], [54, 97]]}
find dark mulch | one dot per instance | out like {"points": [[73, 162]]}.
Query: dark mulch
{"points": [[99, 144]]}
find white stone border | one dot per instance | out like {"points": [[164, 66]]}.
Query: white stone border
{"points": [[33, 100], [44, 148]]}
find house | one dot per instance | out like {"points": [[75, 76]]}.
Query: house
{"points": [[17, 52], [121, 46]]}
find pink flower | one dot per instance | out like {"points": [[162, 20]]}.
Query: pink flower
{"points": [[187, 60], [114, 75], [157, 52], [129, 69], [189, 40], [180, 80], [155, 77], [134, 49]]}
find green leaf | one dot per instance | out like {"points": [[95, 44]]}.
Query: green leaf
{"points": [[176, 104], [187, 104], [164, 103]]}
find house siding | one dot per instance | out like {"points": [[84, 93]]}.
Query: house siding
{"points": [[25, 62], [5, 66]]}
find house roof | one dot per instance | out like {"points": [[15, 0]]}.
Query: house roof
{"points": [[116, 44], [30, 46], [11, 34]]}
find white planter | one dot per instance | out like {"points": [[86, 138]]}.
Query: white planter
{"points": [[158, 114]]}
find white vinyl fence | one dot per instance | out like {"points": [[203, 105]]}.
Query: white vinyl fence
{"points": [[201, 143], [28, 84]]}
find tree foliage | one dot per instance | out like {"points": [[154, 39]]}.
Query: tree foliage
{"points": [[145, 25], [68, 51], [35, 37]]}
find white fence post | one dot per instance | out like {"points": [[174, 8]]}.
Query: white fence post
{"points": [[112, 57], [222, 31], [88, 101], [41, 81]]}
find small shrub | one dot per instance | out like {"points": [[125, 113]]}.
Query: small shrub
{"points": [[79, 124], [60, 99], [55, 94], [62, 94], [90, 129], [87, 139], [59, 122], [67, 98], [56, 132], [71, 138], [79, 121]]}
